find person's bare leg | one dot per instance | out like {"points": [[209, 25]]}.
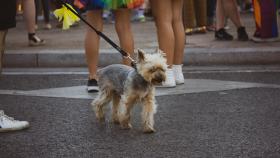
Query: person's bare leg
{"points": [[162, 11], [92, 41], [231, 11], [163, 17], [123, 29], [29, 15], [178, 28], [220, 16]]}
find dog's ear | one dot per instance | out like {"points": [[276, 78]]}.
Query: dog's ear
{"points": [[141, 56]]}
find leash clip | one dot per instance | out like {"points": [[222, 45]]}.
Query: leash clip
{"points": [[129, 57], [133, 62]]}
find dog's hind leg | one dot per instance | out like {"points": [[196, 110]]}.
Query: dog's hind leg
{"points": [[98, 104], [115, 108], [149, 109]]}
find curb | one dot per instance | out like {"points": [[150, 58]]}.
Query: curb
{"points": [[192, 56]]}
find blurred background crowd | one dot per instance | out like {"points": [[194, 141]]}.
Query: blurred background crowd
{"points": [[199, 16]]}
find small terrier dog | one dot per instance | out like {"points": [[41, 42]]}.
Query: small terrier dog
{"points": [[126, 86]]}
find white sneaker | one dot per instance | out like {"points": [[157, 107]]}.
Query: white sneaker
{"points": [[36, 41], [260, 40], [170, 80], [178, 74], [10, 124]]}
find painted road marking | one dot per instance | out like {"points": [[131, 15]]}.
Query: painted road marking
{"points": [[190, 86]]}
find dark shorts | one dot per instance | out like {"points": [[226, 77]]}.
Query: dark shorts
{"points": [[7, 14]]}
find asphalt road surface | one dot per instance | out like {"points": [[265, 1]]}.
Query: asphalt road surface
{"points": [[220, 112]]}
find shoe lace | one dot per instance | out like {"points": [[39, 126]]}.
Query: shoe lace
{"points": [[3, 115], [170, 74]]}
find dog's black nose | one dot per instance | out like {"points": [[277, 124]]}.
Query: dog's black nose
{"points": [[159, 78]]}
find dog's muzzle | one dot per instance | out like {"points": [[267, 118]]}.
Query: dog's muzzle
{"points": [[158, 79]]}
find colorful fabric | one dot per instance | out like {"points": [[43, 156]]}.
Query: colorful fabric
{"points": [[265, 12], [109, 4]]}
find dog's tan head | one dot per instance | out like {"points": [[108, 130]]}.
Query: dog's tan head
{"points": [[152, 67]]}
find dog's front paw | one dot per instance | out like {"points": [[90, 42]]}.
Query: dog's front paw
{"points": [[149, 130]]}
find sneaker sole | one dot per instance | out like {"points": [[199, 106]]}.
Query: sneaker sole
{"points": [[14, 129], [178, 83], [92, 89], [243, 39], [165, 86], [260, 40], [36, 44], [219, 39]]}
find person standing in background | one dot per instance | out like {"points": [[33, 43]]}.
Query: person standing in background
{"points": [[265, 13], [195, 16], [7, 21], [122, 13], [171, 37], [46, 12], [228, 8], [29, 12], [211, 6]]}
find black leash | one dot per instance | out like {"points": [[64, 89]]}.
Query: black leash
{"points": [[107, 39]]}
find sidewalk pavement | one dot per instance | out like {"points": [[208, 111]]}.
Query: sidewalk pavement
{"points": [[66, 48]]}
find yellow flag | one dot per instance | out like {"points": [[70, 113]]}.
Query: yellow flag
{"points": [[67, 16]]}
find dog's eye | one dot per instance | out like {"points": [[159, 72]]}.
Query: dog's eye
{"points": [[154, 69]]}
